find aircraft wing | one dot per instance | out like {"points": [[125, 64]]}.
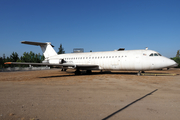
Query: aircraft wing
{"points": [[76, 66]]}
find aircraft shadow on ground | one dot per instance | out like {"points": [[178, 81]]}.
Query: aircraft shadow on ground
{"points": [[93, 73], [128, 105]]}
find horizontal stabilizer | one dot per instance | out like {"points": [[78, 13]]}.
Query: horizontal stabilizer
{"points": [[36, 43], [47, 48]]}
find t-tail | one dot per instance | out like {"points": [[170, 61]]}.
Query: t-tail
{"points": [[47, 48]]}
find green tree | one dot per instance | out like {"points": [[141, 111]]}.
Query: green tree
{"points": [[177, 60], [32, 57], [61, 49], [27, 57], [177, 55], [14, 57], [1, 62]]}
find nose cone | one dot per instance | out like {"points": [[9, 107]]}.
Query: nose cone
{"points": [[171, 63], [175, 65]]}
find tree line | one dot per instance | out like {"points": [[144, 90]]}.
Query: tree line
{"points": [[27, 57]]}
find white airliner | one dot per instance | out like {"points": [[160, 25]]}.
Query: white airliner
{"points": [[131, 60]]}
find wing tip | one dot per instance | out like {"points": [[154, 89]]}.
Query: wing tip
{"points": [[7, 62]]}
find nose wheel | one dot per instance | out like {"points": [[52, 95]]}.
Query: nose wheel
{"points": [[139, 73]]}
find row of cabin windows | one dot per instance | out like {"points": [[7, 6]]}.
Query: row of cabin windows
{"points": [[93, 57]]}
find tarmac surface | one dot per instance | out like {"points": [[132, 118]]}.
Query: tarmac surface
{"points": [[118, 95]]}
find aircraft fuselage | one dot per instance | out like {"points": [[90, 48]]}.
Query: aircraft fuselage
{"points": [[117, 60]]}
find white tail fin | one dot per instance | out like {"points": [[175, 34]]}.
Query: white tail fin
{"points": [[47, 48]]}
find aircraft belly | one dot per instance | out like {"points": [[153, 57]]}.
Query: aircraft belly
{"points": [[109, 64]]}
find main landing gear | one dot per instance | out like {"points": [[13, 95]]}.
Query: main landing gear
{"points": [[63, 69], [88, 72], [78, 72]]}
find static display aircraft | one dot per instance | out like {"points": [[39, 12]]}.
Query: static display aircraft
{"points": [[131, 60]]}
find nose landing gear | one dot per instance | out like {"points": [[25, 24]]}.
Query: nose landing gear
{"points": [[139, 73]]}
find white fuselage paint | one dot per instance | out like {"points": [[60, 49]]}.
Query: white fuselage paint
{"points": [[117, 60]]}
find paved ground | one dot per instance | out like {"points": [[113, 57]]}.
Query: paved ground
{"points": [[56, 95]]}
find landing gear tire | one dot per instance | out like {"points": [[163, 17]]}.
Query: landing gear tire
{"points": [[63, 69], [77, 72], [88, 71]]}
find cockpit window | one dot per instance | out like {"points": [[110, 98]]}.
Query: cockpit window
{"points": [[159, 54], [151, 54], [155, 54]]}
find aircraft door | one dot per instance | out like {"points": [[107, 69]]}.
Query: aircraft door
{"points": [[115, 62], [89, 59], [137, 62]]}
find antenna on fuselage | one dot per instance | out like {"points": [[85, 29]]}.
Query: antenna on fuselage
{"points": [[146, 48], [121, 49]]}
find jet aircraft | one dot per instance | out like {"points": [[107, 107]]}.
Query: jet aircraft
{"points": [[129, 60]]}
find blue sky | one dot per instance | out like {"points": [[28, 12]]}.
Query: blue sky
{"points": [[97, 25]]}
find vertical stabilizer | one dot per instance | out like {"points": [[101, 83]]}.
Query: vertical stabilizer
{"points": [[47, 48]]}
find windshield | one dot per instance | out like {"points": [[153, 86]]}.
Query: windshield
{"points": [[155, 54]]}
